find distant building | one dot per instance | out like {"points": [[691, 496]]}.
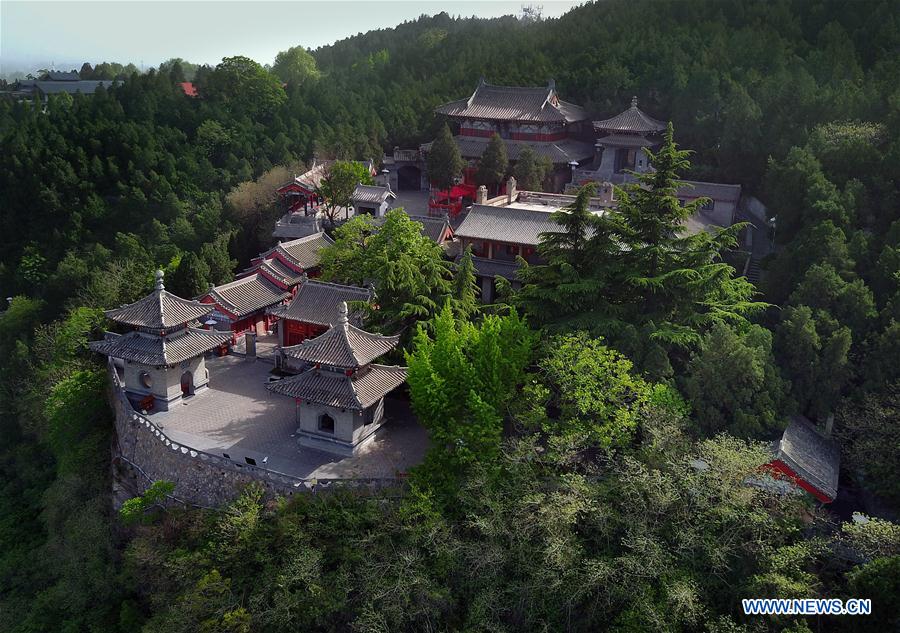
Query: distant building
{"points": [[163, 354], [532, 117], [56, 82], [189, 89], [372, 200], [621, 151], [808, 459], [338, 390], [301, 201]]}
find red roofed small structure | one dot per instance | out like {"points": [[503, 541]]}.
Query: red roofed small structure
{"points": [[808, 459], [189, 89]]}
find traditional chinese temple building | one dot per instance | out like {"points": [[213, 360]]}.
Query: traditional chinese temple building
{"points": [[532, 117], [372, 200], [240, 305], [315, 308], [808, 459], [339, 391], [163, 354]]}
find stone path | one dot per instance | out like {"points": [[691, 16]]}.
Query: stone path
{"points": [[238, 417]]}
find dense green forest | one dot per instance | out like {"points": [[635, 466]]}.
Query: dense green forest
{"points": [[601, 481]]}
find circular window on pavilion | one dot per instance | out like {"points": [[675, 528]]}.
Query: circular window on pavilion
{"points": [[146, 380]]}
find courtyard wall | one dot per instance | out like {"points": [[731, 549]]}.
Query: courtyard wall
{"points": [[143, 453]]}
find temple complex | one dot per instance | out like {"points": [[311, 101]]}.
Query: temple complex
{"points": [[338, 390], [163, 354]]}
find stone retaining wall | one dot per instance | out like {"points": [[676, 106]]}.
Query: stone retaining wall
{"points": [[202, 478]]}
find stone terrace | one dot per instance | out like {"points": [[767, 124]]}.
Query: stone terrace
{"points": [[237, 416]]}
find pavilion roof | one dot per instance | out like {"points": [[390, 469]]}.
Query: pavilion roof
{"points": [[633, 120], [358, 391], [275, 268], [343, 345], [319, 302], [169, 349], [247, 294], [159, 310], [815, 458], [372, 194], [514, 103]]}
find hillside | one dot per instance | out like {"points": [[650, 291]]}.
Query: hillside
{"points": [[603, 522]]}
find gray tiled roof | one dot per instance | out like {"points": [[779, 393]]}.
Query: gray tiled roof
{"points": [[59, 75], [304, 252], [714, 190], [513, 103], [372, 194], [632, 120], [159, 310], [318, 302], [816, 459], [149, 349], [559, 152], [248, 294], [432, 228], [625, 140], [506, 224], [334, 389], [343, 345]]}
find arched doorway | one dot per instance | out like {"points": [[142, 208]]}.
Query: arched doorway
{"points": [[409, 178], [326, 423], [187, 384]]}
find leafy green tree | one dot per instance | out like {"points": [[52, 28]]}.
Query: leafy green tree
{"points": [[215, 255], [493, 163], [870, 432], [295, 66], [461, 380], [815, 356], [592, 391], [245, 87], [407, 269], [531, 170], [444, 162], [734, 385], [191, 278], [337, 185]]}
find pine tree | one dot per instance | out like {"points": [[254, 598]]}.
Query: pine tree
{"points": [[445, 163], [531, 170], [191, 278], [493, 163]]}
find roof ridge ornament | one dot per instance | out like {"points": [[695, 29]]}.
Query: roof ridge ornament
{"points": [[159, 280], [343, 318], [634, 101]]}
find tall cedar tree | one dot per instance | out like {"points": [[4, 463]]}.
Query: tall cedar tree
{"points": [[493, 163], [566, 292], [465, 286], [445, 163]]}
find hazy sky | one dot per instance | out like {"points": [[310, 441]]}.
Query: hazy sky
{"points": [[66, 33]]}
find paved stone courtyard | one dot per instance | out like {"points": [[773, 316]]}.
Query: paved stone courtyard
{"points": [[238, 417]]}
